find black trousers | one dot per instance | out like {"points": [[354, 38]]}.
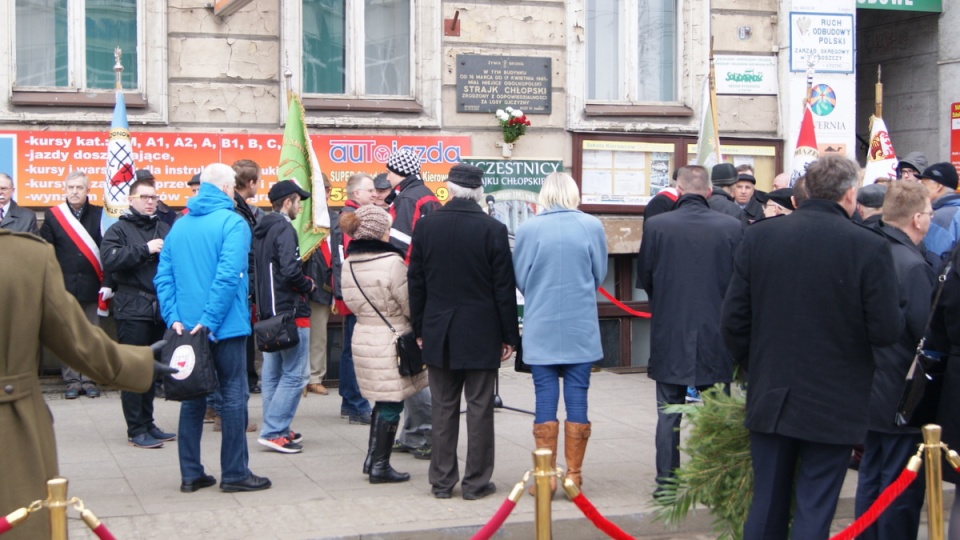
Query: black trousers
{"points": [[252, 378], [138, 408], [477, 385], [884, 457], [818, 470]]}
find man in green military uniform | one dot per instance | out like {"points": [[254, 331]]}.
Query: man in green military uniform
{"points": [[38, 311]]}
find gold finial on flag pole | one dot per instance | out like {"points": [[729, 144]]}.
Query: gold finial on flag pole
{"points": [[117, 67]]}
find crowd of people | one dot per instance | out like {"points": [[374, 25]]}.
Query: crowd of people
{"points": [[817, 292], [822, 312]]}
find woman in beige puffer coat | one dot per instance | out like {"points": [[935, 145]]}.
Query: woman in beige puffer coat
{"points": [[377, 267]]}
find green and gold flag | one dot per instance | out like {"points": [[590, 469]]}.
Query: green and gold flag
{"points": [[298, 163]]}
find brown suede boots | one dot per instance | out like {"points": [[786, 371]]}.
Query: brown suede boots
{"points": [[574, 446]]}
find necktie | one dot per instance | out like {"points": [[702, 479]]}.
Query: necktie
{"points": [[1, 214]]}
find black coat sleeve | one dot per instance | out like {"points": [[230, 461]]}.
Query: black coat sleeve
{"points": [[505, 286], [417, 285], [290, 271], [736, 315], [881, 309], [645, 260], [119, 253]]}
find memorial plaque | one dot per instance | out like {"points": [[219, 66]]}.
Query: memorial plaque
{"points": [[488, 83]]}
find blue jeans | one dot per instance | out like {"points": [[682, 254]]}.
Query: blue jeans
{"points": [[353, 402], [282, 378], [546, 384], [230, 360]]}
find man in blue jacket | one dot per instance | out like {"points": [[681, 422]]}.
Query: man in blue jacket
{"points": [[202, 282], [940, 179]]}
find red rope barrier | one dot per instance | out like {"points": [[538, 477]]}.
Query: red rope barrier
{"points": [[496, 521], [623, 306], [4, 525], [103, 533], [602, 523], [883, 501]]}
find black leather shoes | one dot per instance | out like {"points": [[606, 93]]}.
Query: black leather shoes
{"points": [[250, 483], [442, 493], [204, 481], [488, 489]]}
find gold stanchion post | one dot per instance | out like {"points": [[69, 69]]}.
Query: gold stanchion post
{"points": [[542, 473], [932, 455], [57, 506]]}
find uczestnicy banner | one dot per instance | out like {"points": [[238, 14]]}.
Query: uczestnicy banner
{"points": [[512, 187]]}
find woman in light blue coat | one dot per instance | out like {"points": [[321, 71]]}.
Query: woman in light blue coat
{"points": [[560, 258]]}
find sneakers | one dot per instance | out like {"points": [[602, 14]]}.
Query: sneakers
{"points": [[73, 392], [91, 391], [419, 452], [693, 395], [295, 437], [281, 444], [161, 435], [144, 440], [360, 419]]}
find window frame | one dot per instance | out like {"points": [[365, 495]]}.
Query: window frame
{"points": [[421, 108], [588, 114], [146, 103]]}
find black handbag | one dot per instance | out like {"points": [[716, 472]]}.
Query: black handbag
{"points": [[518, 364], [409, 355], [923, 386], [276, 333], [190, 355]]}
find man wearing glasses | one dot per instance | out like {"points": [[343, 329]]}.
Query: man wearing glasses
{"points": [[130, 252], [940, 179]]}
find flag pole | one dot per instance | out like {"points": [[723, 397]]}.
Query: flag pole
{"points": [[288, 76], [879, 95], [117, 67], [713, 102]]}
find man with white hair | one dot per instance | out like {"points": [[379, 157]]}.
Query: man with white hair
{"points": [[73, 229], [202, 283], [13, 217], [463, 306]]}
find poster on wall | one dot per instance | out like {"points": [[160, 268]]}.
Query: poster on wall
{"points": [[512, 187], [826, 39], [39, 161], [622, 173], [954, 135], [746, 75], [834, 107]]}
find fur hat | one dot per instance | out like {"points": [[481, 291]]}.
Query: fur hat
{"points": [[404, 162], [369, 222], [723, 174], [468, 176]]}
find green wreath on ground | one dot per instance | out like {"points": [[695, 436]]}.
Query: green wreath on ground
{"points": [[718, 473]]}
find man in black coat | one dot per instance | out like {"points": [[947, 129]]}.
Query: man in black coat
{"points": [[685, 263], [887, 447], [130, 252], [463, 307], [809, 298], [73, 228], [723, 176], [13, 217]]}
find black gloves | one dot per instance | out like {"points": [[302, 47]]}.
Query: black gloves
{"points": [[160, 369]]}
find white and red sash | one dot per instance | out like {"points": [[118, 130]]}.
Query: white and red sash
{"points": [[80, 237]]}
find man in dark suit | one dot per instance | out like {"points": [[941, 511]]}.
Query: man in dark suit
{"points": [[809, 297], [463, 307], [13, 217], [73, 228], [685, 263]]}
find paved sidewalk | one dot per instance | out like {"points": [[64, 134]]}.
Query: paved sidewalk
{"points": [[321, 492]]}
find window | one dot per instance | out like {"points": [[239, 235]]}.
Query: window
{"points": [[70, 43], [365, 63], [357, 48], [57, 59], [631, 49]]}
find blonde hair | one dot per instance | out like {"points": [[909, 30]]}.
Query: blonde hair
{"points": [[559, 189], [902, 201]]}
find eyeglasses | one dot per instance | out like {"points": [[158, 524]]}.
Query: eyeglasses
{"points": [[148, 198], [930, 213]]}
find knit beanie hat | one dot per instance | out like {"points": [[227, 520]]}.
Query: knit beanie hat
{"points": [[369, 222], [404, 162]]}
